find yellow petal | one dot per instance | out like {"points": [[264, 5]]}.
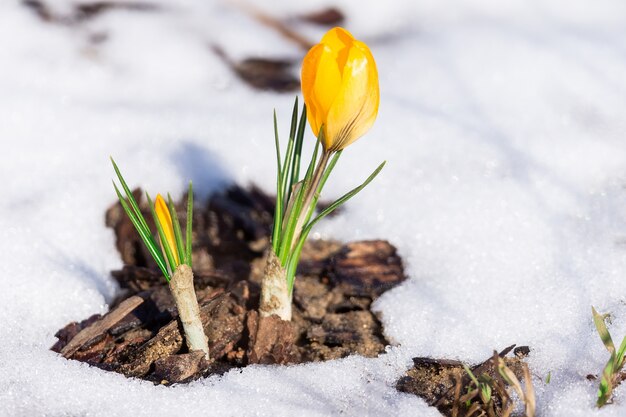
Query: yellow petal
{"points": [[340, 88], [164, 217], [309, 72], [355, 108], [337, 38]]}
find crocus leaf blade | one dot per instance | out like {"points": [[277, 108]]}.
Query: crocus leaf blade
{"points": [[145, 235], [347, 196], [129, 194], [189, 226]]}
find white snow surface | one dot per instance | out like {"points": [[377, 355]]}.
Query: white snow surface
{"points": [[503, 124]]}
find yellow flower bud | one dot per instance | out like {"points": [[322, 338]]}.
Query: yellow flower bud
{"points": [[163, 214], [340, 89]]}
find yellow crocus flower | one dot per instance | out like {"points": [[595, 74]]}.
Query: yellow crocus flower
{"points": [[163, 214], [340, 89]]}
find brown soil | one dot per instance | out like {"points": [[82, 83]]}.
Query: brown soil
{"points": [[141, 336], [445, 384]]}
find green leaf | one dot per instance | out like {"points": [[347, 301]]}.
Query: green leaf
{"points": [[290, 180], [287, 163], [295, 168], [178, 234], [485, 393], [146, 235], [189, 226], [129, 194], [311, 168], [605, 336], [290, 225], [606, 386], [347, 196], [323, 180], [277, 144], [471, 375], [278, 208], [166, 248], [292, 258], [620, 354]]}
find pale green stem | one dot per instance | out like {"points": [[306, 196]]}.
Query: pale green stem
{"points": [[275, 294], [310, 196], [184, 295]]}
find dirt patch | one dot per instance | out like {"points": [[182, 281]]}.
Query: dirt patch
{"points": [[448, 386], [141, 336]]}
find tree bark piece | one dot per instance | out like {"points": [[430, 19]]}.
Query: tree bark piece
{"points": [[102, 325], [271, 340], [366, 268]]}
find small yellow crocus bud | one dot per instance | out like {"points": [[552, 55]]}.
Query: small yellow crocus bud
{"points": [[340, 89], [163, 214]]}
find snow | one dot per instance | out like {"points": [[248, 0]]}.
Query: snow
{"points": [[503, 125]]}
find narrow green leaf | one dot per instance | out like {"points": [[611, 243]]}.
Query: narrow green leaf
{"points": [[286, 170], [606, 384], [291, 265], [289, 178], [130, 196], [329, 169], [323, 180], [277, 144], [278, 208], [311, 168], [485, 393], [290, 226], [620, 354], [347, 196], [471, 375], [146, 236], [292, 258], [166, 248], [178, 234], [295, 169], [605, 336], [189, 226]]}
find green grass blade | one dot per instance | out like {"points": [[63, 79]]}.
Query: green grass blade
{"points": [[278, 208], [347, 196], [309, 172], [145, 235], [166, 248], [620, 354], [291, 265], [130, 196], [295, 168], [189, 227], [290, 225], [291, 259], [606, 383], [605, 336], [178, 234], [329, 169], [323, 180], [284, 181], [277, 144], [471, 375], [289, 180]]}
